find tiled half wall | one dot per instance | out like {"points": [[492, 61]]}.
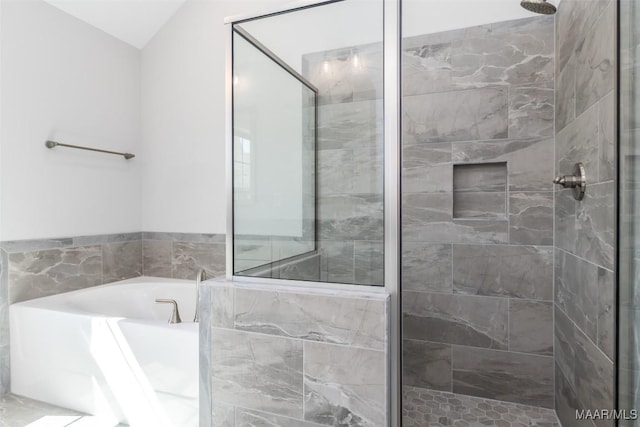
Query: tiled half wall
{"points": [[293, 357]]}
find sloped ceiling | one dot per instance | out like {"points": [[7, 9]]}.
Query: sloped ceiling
{"points": [[132, 21]]}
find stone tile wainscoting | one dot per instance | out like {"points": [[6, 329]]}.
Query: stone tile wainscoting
{"points": [[477, 224], [294, 357], [37, 268], [350, 209], [585, 231]]}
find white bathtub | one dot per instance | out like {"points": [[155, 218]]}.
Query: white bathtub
{"points": [[109, 351]]}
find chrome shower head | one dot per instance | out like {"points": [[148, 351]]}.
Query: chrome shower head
{"points": [[539, 6]]}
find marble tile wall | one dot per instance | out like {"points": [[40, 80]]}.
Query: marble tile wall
{"points": [[477, 224], [585, 231], [291, 357], [181, 255], [350, 163]]}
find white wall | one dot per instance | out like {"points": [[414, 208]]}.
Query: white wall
{"points": [[183, 119], [67, 81]]}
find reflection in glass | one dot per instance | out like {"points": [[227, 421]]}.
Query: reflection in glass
{"points": [[308, 145]]}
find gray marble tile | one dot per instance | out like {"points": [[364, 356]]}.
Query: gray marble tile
{"points": [[606, 312], [344, 385], [508, 271], [446, 36], [426, 68], [596, 64], [422, 407], [20, 411], [578, 142], [595, 225], [222, 307], [508, 57], [594, 376], [531, 218], [33, 245], [369, 262], [564, 345], [156, 258], [427, 168], [519, 155], [205, 403], [53, 271], [456, 319], [576, 288], [335, 172], [188, 258], [426, 267], [257, 371], [350, 125], [121, 260], [531, 24], [531, 327], [531, 111], [337, 261], [566, 402], [249, 418], [480, 177], [304, 268], [565, 111], [429, 218], [368, 170], [426, 365], [573, 23], [105, 238], [363, 218], [185, 237], [607, 138], [5, 374], [339, 78], [455, 116], [501, 375], [338, 320], [222, 415], [565, 221], [253, 249], [480, 205]]}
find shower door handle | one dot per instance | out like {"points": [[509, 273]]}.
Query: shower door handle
{"points": [[577, 181]]}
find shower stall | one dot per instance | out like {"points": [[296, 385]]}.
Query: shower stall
{"points": [[404, 148]]}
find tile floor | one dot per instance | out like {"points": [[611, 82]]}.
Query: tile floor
{"points": [[422, 408], [428, 408], [18, 411]]}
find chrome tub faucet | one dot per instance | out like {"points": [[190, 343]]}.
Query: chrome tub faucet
{"points": [[175, 314], [202, 275]]}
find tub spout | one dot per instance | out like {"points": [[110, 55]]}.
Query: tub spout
{"points": [[175, 314], [202, 275]]}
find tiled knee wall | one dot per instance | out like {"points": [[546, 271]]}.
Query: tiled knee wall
{"points": [[37, 268], [477, 224], [293, 358]]}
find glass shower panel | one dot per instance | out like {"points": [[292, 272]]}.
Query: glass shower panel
{"points": [[628, 364], [273, 159], [308, 144]]}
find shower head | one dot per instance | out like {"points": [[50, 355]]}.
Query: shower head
{"points": [[539, 6]]}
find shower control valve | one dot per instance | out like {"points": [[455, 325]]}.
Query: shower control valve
{"points": [[577, 181]]}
